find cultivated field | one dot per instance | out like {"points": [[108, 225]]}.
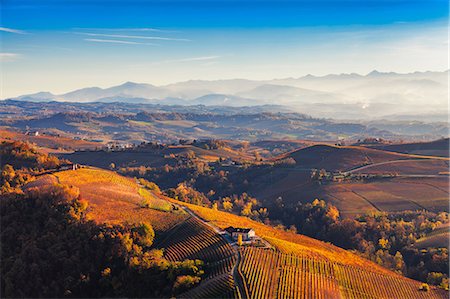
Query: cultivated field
{"points": [[271, 274], [114, 199], [419, 183], [301, 267], [284, 241], [192, 239], [433, 148], [49, 143], [411, 167], [438, 238], [342, 158]]}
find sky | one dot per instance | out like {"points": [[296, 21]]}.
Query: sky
{"points": [[59, 46]]}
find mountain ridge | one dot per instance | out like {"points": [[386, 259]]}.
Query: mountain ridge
{"points": [[349, 95]]}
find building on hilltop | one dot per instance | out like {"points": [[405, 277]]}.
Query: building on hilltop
{"points": [[246, 233]]}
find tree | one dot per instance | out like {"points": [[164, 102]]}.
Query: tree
{"points": [[8, 173], [227, 205], [185, 282], [383, 243], [143, 234], [112, 166]]}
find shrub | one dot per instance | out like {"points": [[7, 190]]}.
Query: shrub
{"points": [[185, 282], [143, 234], [424, 287]]}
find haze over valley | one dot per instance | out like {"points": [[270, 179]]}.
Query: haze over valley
{"points": [[412, 96], [214, 149]]}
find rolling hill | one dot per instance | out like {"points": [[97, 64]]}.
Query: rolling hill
{"points": [[428, 175], [50, 144], [296, 267], [343, 158], [434, 148]]}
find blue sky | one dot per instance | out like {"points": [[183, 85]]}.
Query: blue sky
{"points": [[57, 46]]}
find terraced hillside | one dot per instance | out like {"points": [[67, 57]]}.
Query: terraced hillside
{"points": [[301, 267], [195, 240], [271, 274], [296, 267]]}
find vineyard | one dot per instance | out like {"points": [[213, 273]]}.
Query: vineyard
{"points": [[115, 199], [271, 274], [297, 267], [195, 240], [219, 287], [153, 202], [284, 241]]}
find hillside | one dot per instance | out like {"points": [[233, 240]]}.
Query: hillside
{"points": [[298, 266], [434, 148], [439, 238], [389, 188], [154, 156], [302, 267], [49, 144], [134, 123], [114, 199], [342, 158]]}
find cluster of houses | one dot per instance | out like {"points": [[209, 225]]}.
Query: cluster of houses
{"points": [[324, 176], [113, 146]]}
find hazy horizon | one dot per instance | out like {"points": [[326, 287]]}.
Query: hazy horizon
{"points": [[84, 44]]}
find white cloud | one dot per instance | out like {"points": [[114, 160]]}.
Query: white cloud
{"points": [[9, 57], [189, 59], [146, 29], [134, 36], [202, 58], [114, 41], [10, 30]]}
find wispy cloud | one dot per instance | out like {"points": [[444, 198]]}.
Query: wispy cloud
{"points": [[189, 59], [4, 57], [201, 58], [10, 30], [134, 36], [115, 41], [145, 29]]}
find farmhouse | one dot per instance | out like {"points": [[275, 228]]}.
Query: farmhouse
{"points": [[246, 233]]}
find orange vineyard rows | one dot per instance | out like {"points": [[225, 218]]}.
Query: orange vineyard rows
{"points": [[271, 274]]}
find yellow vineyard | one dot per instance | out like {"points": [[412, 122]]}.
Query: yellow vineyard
{"points": [[271, 274], [297, 266], [192, 239], [115, 199]]}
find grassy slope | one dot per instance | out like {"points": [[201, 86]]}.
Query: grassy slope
{"points": [[114, 199]]}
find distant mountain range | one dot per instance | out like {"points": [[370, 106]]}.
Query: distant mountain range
{"points": [[343, 96]]}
